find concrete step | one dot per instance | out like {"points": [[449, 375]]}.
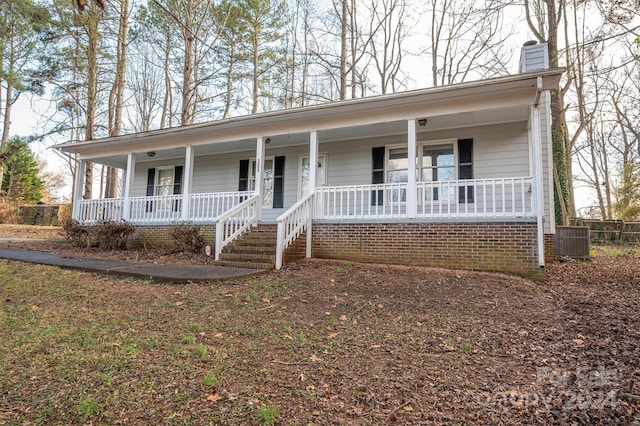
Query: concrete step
{"points": [[252, 265]]}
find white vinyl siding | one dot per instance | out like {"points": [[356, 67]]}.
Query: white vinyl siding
{"points": [[499, 151]]}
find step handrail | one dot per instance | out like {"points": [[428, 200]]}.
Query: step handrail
{"points": [[235, 222], [292, 223]]}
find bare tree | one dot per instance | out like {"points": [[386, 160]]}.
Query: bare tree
{"points": [[389, 33]]}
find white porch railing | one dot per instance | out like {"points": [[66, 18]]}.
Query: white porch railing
{"points": [[155, 209], [472, 198], [476, 198], [90, 211], [235, 222], [203, 207], [383, 201], [291, 224]]}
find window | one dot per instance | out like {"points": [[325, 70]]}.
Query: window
{"points": [[398, 172], [321, 174], [437, 161], [164, 181], [437, 164]]}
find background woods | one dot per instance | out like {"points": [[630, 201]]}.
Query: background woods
{"points": [[110, 67]]}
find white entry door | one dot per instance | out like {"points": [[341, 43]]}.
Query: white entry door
{"points": [[267, 181]]}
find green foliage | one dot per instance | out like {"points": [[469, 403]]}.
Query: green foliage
{"points": [[268, 414], [24, 30], [20, 180]]}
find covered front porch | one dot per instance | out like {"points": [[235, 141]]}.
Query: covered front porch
{"points": [[453, 154]]}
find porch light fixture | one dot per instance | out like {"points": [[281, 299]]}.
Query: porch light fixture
{"points": [[151, 154], [422, 122], [267, 140], [319, 165]]}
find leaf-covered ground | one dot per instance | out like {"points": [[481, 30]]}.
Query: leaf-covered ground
{"points": [[324, 342]]}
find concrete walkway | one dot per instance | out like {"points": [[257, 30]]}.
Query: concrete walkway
{"points": [[157, 273]]}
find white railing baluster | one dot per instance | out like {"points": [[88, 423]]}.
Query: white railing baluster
{"points": [[235, 222], [292, 223]]}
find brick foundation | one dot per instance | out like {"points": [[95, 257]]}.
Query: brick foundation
{"points": [[492, 246], [549, 254], [489, 246], [159, 236]]}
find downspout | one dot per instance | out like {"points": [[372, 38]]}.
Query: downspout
{"points": [[537, 165]]}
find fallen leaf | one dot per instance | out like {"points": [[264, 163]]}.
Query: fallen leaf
{"points": [[523, 332], [332, 280], [333, 335], [408, 408], [578, 341], [314, 358], [214, 398], [327, 313], [179, 303], [218, 335], [449, 348], [265, 300], [343, 317], [301, 377], [288, 336], [381, 306], [376, 346]]}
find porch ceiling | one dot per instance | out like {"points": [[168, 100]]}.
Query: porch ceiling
{"points": [[434, 123]]}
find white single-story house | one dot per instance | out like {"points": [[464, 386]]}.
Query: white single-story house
{"points": [[454, 176]]}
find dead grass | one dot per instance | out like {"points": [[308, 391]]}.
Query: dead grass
{"points": [[320, 343]]}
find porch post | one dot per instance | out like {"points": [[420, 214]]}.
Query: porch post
{"points": [[412, 187], [128, 183], [313, 170], [81, 168], [188, 180], [537, 187], [259, 174]]}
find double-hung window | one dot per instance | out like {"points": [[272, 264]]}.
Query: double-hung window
{"points": [[437, 164], [397, 172]]}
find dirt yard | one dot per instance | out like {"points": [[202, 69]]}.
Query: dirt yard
{"points": [[324, 342]]}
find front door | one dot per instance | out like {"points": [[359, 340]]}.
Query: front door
{"points": [[267, 181]]}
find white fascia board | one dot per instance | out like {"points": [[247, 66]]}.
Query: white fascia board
{"points": [[464, 97]]}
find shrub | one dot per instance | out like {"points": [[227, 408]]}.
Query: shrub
{"points": [[77, 234], [8, 212], [64, 212], [187, 237], [111, 234], [106, 235]]}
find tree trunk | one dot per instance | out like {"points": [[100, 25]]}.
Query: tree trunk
{"points": [[116, 96], [91, 27], [343, 51], [256, 71], [187, 67]]}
